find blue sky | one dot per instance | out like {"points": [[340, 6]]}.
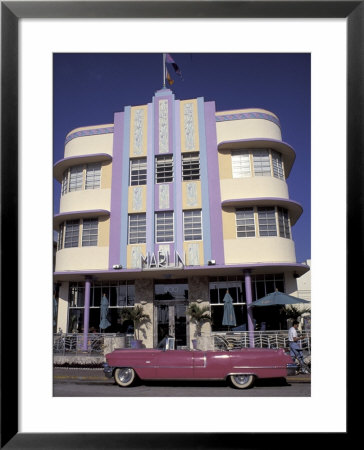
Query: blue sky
{"points": [[88, 88]]}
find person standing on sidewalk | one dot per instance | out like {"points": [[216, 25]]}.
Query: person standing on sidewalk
{"points": [[294, 346]]}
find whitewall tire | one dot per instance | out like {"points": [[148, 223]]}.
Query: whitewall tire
{"points": [[242, 381], [124, 376]]}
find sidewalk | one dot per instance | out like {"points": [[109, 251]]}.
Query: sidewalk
{"points": [[60, 373]]}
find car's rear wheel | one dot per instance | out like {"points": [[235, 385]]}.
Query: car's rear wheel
{"points": [[124, 376], [242, 381]]}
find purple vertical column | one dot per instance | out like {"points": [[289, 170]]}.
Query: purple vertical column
{"points": [[249, 299], [115, 210], [214, 196], [86, 318]]}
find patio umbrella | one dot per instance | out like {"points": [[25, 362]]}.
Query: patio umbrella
{"points": [[229, 314], [278, 298], [104, 310]]}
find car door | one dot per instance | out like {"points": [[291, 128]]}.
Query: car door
{"points": [[174, 364], [211, 365]]}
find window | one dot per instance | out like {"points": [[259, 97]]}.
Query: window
{"points": [[245, 225], [265, 284], [192, 225], [76, 175], [164, 227], [277, 165], [65, 182], [164, 169], [218, 290], [267, 222], [89, 232], [93, 175], [118, 293], [261, 162], [283, 222], [137, 228], [190, 166], [241, 164], [138, 172], [71, 234], [60, 236]]}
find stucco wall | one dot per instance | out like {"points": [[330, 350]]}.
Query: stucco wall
{"points": [[85, 145], [253, 187], [198, 289], [231, 130], [62, 307], [259, 250], [144, 292], [82, 258], [85, 200]]}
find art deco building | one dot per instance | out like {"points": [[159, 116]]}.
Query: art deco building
{"points": [[174, 203]]}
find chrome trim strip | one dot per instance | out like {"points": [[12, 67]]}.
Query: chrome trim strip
{"points": [[259, 367], [159, 367], [239, 373]]}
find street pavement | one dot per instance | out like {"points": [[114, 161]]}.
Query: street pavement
{"points": [[86, 374]]}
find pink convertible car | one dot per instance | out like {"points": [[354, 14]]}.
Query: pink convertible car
{"points": [[240, 367]]}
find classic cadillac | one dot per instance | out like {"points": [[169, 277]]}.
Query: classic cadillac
{"points": [[241, 367]]}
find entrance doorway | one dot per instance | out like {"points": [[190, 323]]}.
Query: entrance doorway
{"points": [[171, 302]]}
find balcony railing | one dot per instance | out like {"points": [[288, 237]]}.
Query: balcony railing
{"points": [[72, 343], [261, 339], [100, 343]]}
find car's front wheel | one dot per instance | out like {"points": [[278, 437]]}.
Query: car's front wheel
{"points": [[242, 381], [124, 376]]}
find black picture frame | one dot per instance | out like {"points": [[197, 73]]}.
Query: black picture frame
{"points": [[11, 12]]}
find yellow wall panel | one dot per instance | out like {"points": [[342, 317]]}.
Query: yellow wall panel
{"points": [[228, 223], [225, 167], [104, 231], [106, 173]]}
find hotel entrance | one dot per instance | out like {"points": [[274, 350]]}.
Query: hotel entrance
{"points": [[170, 303]]}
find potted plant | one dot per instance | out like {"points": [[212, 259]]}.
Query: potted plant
{"points": [[139, 318], [198, 315]]}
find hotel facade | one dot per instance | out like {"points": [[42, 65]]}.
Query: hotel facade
{"points": [[174, 203]]}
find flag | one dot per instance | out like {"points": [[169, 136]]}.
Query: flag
{"points": [[169, 79], [170, 60]]}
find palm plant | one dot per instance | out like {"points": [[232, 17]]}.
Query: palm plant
{"points": [[294, 312], [137, 315], [199, 315]]}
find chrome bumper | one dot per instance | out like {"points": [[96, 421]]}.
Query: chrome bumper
{"points": [[291, 369], [107, 370]]}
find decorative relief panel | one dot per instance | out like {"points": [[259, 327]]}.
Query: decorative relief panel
{"points": [[189, 126], [136, 254], [163, 196], [137, 198], [163, 126], [138, 132], [191, 189], [193, 254]]}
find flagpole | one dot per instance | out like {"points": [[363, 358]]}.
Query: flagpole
{"points": [[164, 70]]}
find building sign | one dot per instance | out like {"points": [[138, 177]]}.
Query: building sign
{"points": [[162, 260]]}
